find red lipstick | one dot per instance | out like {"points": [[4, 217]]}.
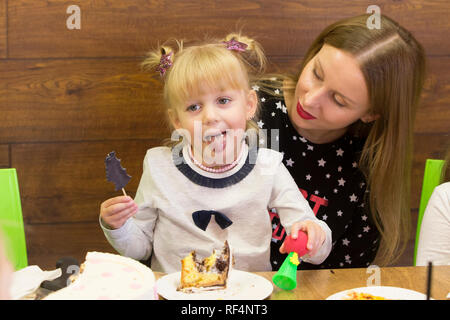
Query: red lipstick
{"points": [[302, 113]]}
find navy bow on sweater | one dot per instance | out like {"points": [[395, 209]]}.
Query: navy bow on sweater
{"points": [[201, 219]]}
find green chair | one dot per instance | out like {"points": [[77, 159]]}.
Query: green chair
{"points": [[431, 179], [11, 221]]}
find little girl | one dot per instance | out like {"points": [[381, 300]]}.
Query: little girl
{"points": [[217, 170]]}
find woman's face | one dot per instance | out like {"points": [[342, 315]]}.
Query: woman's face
{"points": [[330, 95]]}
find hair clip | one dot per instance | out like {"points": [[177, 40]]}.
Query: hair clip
{"points": [[165, 63], [235, 45]]}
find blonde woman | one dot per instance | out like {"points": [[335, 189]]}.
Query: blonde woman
{"points": [[216, 171], [344, 122]]}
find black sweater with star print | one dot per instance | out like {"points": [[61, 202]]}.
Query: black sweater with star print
{"points": [[329, 178]]}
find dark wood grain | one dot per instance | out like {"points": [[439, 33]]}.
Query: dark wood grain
{"points": [[3, 30], [79, 100], [60, 100], [66, 182], [47, 243], [128, 28], [4, 156]]}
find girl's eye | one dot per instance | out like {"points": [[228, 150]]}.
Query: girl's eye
{"points": [[193, 108], [223, 100]]}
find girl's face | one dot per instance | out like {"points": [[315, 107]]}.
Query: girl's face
{"points": [[215, 123], [330, 95]]}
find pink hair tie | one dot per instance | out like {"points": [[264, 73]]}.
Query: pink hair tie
{"points": [[164, 64], [235, 45]]}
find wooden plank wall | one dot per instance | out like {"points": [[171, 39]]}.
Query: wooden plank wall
{"points": [[68, 97]]}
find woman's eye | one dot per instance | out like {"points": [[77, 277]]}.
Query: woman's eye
{"points": [[223, 100], [316, 75], [193, 107], [339, 103]]}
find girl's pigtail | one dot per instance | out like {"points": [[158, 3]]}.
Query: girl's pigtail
{"points": [[253, 54], [159, 61]]}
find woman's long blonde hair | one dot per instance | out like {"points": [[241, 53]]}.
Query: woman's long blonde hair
{"points": [[204, 66], [393, 64]]}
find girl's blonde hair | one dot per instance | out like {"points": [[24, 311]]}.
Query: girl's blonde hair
{"points": [[204, 66], [393, 64]]}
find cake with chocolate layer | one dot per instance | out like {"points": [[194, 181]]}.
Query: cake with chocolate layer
{"points": [[211, 273]]}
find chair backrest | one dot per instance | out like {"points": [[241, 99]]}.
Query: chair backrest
{"points": [[11, 221], [431, 179]]}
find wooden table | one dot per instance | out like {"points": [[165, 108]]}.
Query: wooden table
{"points": [[319, 284]]}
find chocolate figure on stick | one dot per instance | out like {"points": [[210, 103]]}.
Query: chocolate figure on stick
{"points": [[115, 173]]}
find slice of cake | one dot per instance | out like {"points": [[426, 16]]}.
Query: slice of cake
{"points": [[106, 276], [209, 274]]}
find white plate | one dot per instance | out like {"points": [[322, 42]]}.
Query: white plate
{"points": [[391, 293], [241, 285]]}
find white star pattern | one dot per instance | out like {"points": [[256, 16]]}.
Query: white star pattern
{"points": [[277, 91], [325, 217], [263, 99], [345, 242], [353, 198], [339, 213], [278, 104], [335, 190], [260, 124], [303, 139], [284, 109], [289, 162], [310, 147], [273, 114], [255, 87], [341, 182], [364, 217], [339, 169], [327, 176], [308, 177], [366, 229], [321, 162], [339, 152], [294, 138], [354, 165]]}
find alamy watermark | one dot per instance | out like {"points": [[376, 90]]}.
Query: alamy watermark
{"points": [[216, 147], [374, 21], [74, 20], [375, 278]]}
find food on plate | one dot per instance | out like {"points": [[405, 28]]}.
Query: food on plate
{"points": [[352, 295], [211, 273], [106, 276]]}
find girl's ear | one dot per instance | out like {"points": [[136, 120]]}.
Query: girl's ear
{"points": [[252, 104], [173, 117], [369, 117]]}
